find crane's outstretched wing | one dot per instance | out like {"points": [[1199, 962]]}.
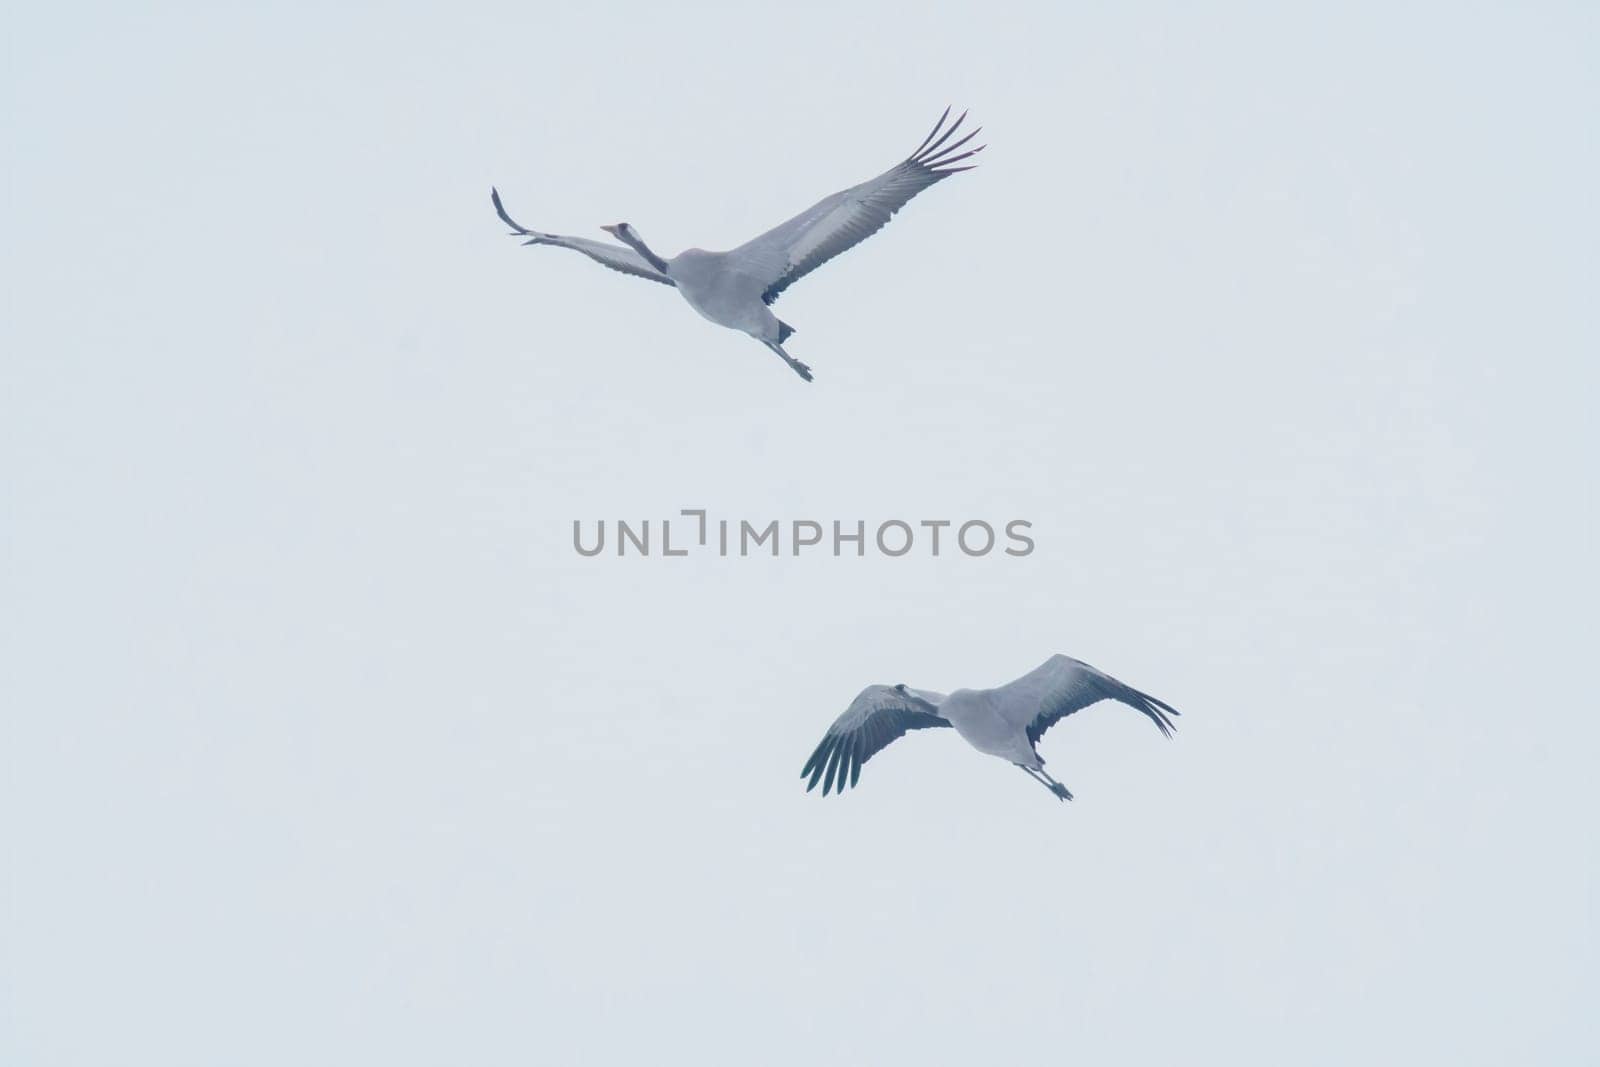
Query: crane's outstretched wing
{"points": [[617, 257], [1062, 685], [877, 716], [787, 253]]}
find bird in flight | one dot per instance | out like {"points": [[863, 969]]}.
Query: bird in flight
{"points": [[736, 288], [1006, 722]]}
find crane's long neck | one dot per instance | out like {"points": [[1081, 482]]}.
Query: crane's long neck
{"points": [[644, 250]]}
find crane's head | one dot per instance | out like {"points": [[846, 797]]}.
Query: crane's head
{"points": [[621, 231]]}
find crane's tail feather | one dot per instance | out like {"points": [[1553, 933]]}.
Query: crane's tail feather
{"points": [[785, 331]]}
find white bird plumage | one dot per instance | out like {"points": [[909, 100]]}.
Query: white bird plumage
{"points": [[736, 288], [1006, 721]]}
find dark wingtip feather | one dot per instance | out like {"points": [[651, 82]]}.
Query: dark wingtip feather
{"points": [[1157, 710], [814, 764], [500, 209], [833, 767], [931, 150], [944, 163], [1163, 705], [942, 156], [931, 133]]}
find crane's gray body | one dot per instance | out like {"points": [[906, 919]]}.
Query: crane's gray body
{"points": [[991, 725], [720, 286]]}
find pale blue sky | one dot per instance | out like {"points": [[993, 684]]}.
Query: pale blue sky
{"points": [[322, 746]]}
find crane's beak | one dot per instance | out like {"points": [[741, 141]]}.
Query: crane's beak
{"points": [[612, 230]]}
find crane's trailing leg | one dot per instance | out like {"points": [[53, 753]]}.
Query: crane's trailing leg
{"points": [[1048, 782], [1056, 787], [794, 364]]}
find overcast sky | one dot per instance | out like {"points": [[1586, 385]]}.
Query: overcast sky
{"points": [[322, 745]]}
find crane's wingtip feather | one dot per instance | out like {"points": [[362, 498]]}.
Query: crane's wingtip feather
{"points": [[937, 126]]}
